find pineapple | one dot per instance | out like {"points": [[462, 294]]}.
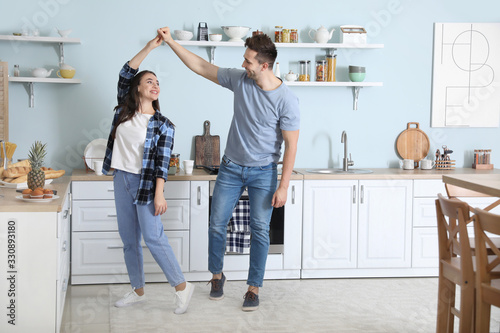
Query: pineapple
{"points": [[36, 177]]}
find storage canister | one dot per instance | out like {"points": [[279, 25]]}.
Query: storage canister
{"points": [[331, 62], [278, 34], [321, 70], [305, 71], [285, 35], [294, 36]]}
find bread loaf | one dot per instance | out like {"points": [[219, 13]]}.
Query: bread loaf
{"points": [[14, 172], [49, 174], [23, 163]]}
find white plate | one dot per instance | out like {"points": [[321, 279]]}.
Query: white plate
{"points": [[95, 150], [20, 185], [20, 197]]}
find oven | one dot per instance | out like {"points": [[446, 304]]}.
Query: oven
{"points": [[276, 226]]}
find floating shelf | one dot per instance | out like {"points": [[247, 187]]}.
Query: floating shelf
{"points": [[333, 84], [40, 39], [31, 80]]}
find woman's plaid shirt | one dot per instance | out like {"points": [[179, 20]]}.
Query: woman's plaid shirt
{"points": [[157, 146]]}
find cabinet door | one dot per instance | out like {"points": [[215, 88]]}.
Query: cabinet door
{"points": [[385, 212], [293, 226], [329, 224], [198, 244]]}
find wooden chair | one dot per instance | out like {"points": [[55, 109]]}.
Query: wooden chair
{"points": [[488, 267], [455, 266]]}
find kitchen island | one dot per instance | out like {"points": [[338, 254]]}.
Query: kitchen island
{"points": [[34, 260]]}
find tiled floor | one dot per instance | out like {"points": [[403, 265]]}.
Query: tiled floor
{"points": [[333, 305]]}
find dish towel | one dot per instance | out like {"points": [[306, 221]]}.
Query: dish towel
{"points": [[238, 229]]}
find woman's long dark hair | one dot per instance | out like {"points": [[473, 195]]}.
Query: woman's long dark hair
{"points": [[131, 102]]}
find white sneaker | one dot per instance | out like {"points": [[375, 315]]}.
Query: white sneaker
{"points": [[130, 298], [183, 297]]}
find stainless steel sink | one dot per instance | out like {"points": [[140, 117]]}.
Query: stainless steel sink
{"points": [[339, 171]]}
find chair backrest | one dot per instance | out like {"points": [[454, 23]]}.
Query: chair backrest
{"points": [[452, 215], [457, 191], [486, 222]]}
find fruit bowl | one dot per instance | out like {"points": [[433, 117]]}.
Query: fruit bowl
{"points": [[235, 33]]}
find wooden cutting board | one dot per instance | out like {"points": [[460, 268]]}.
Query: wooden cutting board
{"points": [[413, 143], [207, 148]]}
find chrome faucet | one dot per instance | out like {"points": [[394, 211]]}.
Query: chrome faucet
{"points": [[347, 162]]}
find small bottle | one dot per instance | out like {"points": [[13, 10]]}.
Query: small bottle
{"points": [[285, 36], [277, 72], [321, 70], [278, 34], [16, 71], [304, 74], [294, 36]]}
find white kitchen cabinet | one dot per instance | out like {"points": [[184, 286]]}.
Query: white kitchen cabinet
{"points": [[97, 255], [35, 265], [352, 226]]}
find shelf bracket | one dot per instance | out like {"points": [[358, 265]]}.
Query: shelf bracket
{"points": [[355, 95], [32, 94], [212, 55], [61, 53]]}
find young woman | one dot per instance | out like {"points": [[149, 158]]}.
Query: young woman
{"points": [[139, 149]]}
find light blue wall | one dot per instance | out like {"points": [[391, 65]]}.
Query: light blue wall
{"points": [[67, 117]]}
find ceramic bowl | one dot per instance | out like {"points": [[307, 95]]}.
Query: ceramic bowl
{"points": [[235, 33], [357, 77], [183, 34], [215, 37]]}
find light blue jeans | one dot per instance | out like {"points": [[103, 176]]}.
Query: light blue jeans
{"points": [[231, 181], [134, 220]]}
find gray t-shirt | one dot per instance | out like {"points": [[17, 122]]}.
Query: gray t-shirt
{"points": [[255, 137]]}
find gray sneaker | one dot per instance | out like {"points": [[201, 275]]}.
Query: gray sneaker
{"points": [[217, 289], [251, 302]]}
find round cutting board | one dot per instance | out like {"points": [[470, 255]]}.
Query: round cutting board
{"points": [[413, 143]]}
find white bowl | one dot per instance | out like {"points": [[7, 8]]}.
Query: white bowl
{"points": [[215, 37], [235, 33], [183, 34]]}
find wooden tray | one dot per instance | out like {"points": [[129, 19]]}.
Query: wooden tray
{"points": [[482, 166], [207, 148], [413, 144]]}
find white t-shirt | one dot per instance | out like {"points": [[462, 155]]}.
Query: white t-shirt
{"points": [[128, 147]]}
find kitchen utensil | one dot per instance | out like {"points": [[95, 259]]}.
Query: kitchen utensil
{"points": [[64, 33], [413, 143], [183, 34], [66, 71], [322, 35], [291, 76], [202, 31], [207, 148], [41, 72], [95, 151], [407, 164], [235, 33]]}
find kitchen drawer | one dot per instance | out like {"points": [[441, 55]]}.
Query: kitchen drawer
{"points": [[100, 215], [92, 190], [424, 212], [97, 253], [428, 188], [425, 251]]}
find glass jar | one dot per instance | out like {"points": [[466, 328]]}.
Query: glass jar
{"points": [[294, 36], [331, 62], [175, 162], [16, 70], [278, 30], [285, 36], [321, 70], [305, 71]]}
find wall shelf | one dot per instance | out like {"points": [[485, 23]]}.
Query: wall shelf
{"points": [[356, 86], [31, 80]]}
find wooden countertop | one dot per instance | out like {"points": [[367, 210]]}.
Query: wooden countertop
{"points": [[9, 203], [393, 173]]}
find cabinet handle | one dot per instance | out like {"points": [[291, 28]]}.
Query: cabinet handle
{"points": [[65, 284], [112, 247], [362, 194], [65, 246], [66, 213], [198, 196], [293, 194], [353, 194], [111, 189], [111, 215]]}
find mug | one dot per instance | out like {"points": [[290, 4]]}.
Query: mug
{"points": [[98, 167], [188, 166], [427, 164], [407, 164]]}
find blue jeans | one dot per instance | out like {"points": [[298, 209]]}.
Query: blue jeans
{"points": [[231, 181], [134, 220]]}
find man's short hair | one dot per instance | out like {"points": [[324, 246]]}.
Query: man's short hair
{"points": [[265, 48]]}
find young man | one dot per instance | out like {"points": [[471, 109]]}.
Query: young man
{"points": [[266, 114]]}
